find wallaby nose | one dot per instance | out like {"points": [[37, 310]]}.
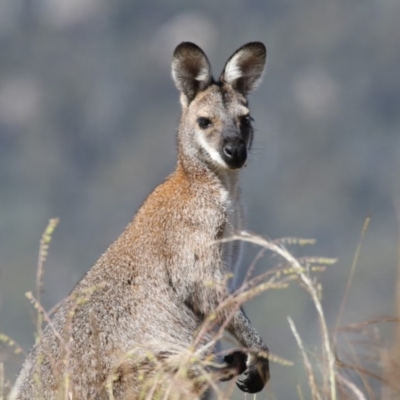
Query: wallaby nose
{"points": [[234, 153]]}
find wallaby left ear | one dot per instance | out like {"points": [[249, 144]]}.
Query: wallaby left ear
{"points": [[191, 69], [245, 67]]}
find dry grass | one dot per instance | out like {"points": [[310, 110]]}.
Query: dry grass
{"points": [[333, 373]]}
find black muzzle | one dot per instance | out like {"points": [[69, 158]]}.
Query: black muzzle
{"points": [[234, 153]]}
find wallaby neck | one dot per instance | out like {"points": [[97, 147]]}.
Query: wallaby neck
{"points": [[207, 176]]}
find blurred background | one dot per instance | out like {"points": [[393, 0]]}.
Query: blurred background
{"points": [[88, 117]]}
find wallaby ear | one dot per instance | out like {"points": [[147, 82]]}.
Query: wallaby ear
{"points": [[245, 67], [191, 69]]}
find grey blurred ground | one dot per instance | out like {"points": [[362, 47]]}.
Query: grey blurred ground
{"points": [[88, 115]]}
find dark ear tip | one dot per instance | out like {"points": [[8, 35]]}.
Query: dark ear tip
{"points": [[185, 47], [259, 47]]}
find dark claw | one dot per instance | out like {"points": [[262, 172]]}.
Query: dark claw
{"points": [[235, 364], [251, 384], [256, 376], [237, 359], [241, 385]]}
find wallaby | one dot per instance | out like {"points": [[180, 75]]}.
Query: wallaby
{"points": [[146, 299]]}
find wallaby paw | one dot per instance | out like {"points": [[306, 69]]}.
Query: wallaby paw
{"points": [[256, 375], [234, 365]]}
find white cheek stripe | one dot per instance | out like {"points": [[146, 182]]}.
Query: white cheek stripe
{"points": [[215, 156]]}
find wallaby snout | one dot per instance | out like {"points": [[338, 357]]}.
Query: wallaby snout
{"points": [[234, 152]]}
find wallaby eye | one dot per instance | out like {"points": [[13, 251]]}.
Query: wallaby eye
{"points": [[245, 120], [204, 123]]}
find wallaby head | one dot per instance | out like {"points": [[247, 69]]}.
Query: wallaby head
{"points": [[216, 123]]}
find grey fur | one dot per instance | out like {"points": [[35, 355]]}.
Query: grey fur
{"points": [[144, 301]]}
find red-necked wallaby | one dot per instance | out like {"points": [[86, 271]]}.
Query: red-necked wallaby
{"points": [[146, 299]]}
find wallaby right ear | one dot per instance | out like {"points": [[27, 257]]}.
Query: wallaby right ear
{"points": [[245, 67], [191, 69]]}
